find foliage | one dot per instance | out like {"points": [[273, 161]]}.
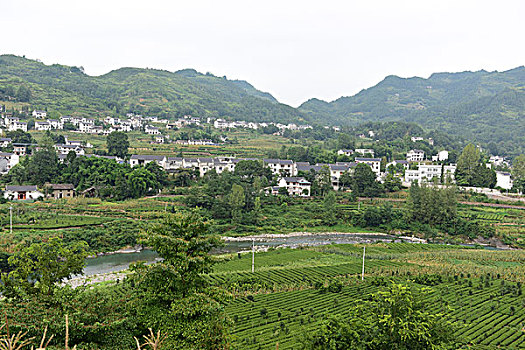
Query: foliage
{"points": [[364, 182], [432, 205], [172, 295], [471, 171], [394, 319], [118, 144], [39, 267]]}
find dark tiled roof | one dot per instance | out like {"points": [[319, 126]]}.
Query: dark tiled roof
{"points": [[368, 159], [146, 157], [61, 186], [20, 188]]}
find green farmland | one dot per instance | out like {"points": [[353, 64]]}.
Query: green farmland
{"points": [[294, 291]]}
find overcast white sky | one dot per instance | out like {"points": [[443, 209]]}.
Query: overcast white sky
{"points": [[294, 49]]}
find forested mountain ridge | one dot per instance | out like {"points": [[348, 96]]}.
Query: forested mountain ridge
{"points": [[483, 106], [68, 90], [486, 107]]}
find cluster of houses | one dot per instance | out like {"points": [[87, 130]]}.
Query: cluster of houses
{"points": [[31, 192], [226, 124]]}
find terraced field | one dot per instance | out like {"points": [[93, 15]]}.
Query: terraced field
{"points": [[291, 292]]}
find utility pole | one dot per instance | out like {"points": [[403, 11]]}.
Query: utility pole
{"points": [[363, 271], [11, 219], [253, 255]]}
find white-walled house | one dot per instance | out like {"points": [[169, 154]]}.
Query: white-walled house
{"points": [[415, 155], [296, 186], [151, 130], [56, 124], [17, 125], [280, 166], [138, 159], [5, 142], [428, 172], [346, 152], [11, 158], [504, 180], [440, 157], [22, 192], [42, 126], [364, 151], [39, 114], [65, 149]]}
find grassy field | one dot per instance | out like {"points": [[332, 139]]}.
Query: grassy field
{"points": [[479, 290]]}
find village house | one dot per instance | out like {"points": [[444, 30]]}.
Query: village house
{"points": [[151, 130], [65, 149], [59, 191], [22, 192], [504, 180], [20, 150], [430, 173], [17, 125], [415, 155], [42, 126], [280, 166], [440, 157], [296, 186], [55, 124], [12, 159], [364, 151], [5, 142], [394, 163], [346, 152], [138, 159], [39, 114]]}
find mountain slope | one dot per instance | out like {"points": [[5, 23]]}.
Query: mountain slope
{"points": [[148, 91], [482, 106]]}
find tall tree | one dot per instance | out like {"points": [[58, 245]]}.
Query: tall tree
{"points": [[364, 181], [118, 144], [518, 172], [237, 201], [172, 295], [468, 163]]}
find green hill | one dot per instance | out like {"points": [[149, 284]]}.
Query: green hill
{"points": [[68, 90], [487, 107], [483, 106]]}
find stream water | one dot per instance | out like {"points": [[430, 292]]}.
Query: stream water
{"points": [[121, 261]]}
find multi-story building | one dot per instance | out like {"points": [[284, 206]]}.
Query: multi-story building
{"points": [[415, 155]]}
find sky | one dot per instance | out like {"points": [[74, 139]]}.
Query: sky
{"points": [[294, 49]]}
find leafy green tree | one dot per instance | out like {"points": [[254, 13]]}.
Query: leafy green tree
{"points": [[468, 163], [431, 205], [141, 181], [172, 295], [252, 168], [329, 209], [518, 172], [118, 144], [237, 201], [322, 182], [20, 136], [38, 268], [23, 94], [364, 182], [397, 319]]}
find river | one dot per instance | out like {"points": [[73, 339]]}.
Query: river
{"points": [[120, 261]]}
